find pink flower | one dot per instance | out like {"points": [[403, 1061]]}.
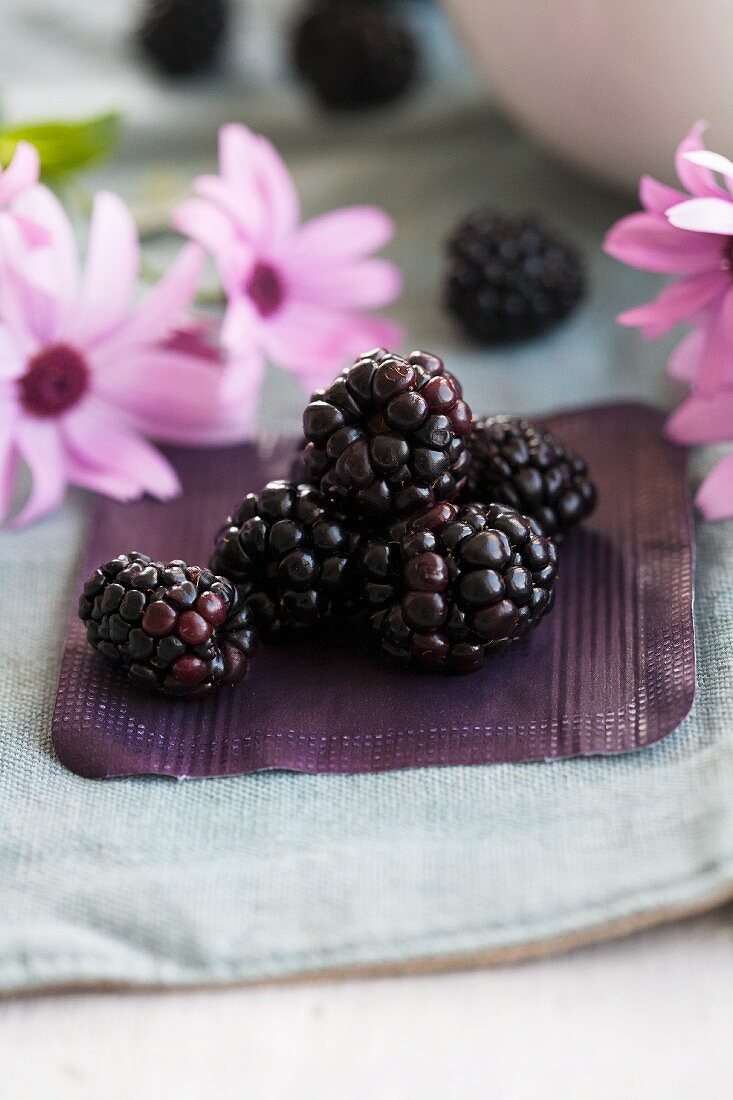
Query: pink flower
{"points": [[20, 175], [708, 419], [197, 337], [692, 238], [296, 293], [83, 376]]}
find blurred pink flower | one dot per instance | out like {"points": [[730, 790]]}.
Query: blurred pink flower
{"points": [[83, 375], [693, 238], [20, 175], [296, 293], [703, 418], [198, 337]]}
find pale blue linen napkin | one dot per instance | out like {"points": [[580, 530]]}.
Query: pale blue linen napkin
{"points": [[160, 882]]}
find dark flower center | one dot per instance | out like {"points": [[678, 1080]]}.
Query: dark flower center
{"points": [[265, 288], [56, 379]]}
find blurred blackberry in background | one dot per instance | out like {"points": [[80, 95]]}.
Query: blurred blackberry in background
{"points": [[182, 37], [176, 629], [448, 586], [524, 465], [388, 435], [508, 278], [291, 555], [353, 53]]}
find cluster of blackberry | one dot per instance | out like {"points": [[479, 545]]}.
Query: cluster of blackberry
{"points": [[515, 462], [174, 628], [452, 584], [291, 555], [388, 435], [352, 54], [509, 278], [441, 528], [181, 38]]}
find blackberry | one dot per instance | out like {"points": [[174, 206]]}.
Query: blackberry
{"points": [[299, 474], [508, 278], [353, 53], [448, 586], [176, 629], [388, 435], [291, 555], [182, 37], [524, 465]]}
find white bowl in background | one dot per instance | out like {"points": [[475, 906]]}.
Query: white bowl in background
{"points": [[611, 85]]}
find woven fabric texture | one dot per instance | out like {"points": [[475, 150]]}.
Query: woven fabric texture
{"points": [[151, 881]]}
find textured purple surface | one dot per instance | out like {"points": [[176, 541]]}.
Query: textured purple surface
{"points": [[612, 669]]}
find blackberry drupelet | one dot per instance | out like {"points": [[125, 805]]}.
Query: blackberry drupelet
{"points": [[388, 435], [524, 465], [448, 586], [182, 37], [299, 474], [176, 629], [291, 555], [353, 53], [509, 278]]}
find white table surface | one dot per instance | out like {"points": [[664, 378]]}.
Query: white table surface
{"points": [[650, 1016]]}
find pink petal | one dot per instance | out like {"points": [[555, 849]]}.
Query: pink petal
{"points": [[345, 234], [314, 342], [650, 243], [55, 267], [90, 464], [241, 326], [242, 207], [303, 338], [716, 359], [235, 267], [117, 486], [196, 338], [697, 179], [33, 235], [21, 173], [177, 397], [158, 314], [237, 149], [31, 313], [657, 197], [684, 361], [715, 495], [277, 189], [12, 355], [204, 223], [39, 445], [110, 275], [241, 391], [703, 216], [702, 420], [367, 284], [249, 161], [101, 439], [680, 301], [714, 161]]}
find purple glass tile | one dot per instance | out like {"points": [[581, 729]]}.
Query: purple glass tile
{"points": [[612, 669]]}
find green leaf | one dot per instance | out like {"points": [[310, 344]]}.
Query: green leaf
{"points": [[63, 146]]}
